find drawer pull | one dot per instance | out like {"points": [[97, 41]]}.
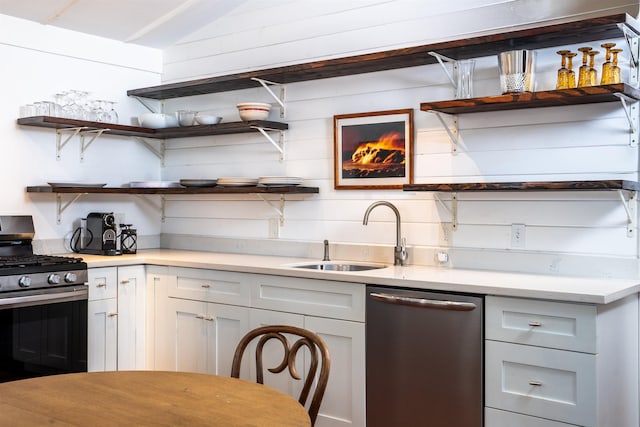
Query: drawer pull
{"points": [[112, 314], [101, 285], [200, 316], [535, 324], [535, 383], [206, 286], [124, 282]]}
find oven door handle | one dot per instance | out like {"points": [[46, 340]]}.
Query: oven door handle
{"points": [[77, 294]]}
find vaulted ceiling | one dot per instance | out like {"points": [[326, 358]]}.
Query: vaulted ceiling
{"points": [[152, 23]]}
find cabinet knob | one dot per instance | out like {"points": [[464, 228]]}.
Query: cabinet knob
{"points": [[112, 314]]}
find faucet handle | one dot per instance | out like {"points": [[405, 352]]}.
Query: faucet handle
{"points": [[403, 250]]}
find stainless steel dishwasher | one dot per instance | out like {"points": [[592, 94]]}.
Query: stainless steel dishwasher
{"points": [[424, 358]]}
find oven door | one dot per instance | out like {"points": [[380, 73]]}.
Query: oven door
{"points": [[43, 332]]}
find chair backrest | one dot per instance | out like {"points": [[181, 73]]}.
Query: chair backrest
{"points": [[305, 338]]}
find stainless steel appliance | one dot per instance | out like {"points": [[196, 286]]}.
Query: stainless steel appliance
{"points": [[101, 235], [424, 358], [43, 307]]}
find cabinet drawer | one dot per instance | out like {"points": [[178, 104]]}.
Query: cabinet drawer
{"points": [[559, 325], [498, 418], [103, 283], [209, 285], [323, 298], [553, 384]]}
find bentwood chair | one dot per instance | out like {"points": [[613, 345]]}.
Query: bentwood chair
{"points": [[319, 356]]}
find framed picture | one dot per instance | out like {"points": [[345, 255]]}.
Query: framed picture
{"points": [[373, 150]]}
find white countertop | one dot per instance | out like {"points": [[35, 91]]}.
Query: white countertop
{"points": [[561, 288]]}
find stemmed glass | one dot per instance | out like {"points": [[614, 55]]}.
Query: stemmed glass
{"points": [[615, 70], [583, 74], [563, 72], [593, 72], [111, 115], [607, 66], [571, 77]]}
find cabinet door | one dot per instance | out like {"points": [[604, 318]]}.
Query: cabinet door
{"points": [[102, 335], [227, 324], [344, 400], [131, 318], [185, 337]]}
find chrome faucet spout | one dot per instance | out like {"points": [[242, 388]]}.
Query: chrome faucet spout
{"points": [[400, 251]]}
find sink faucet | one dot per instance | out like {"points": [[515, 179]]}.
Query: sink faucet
{"points": [[326, 251], [400, 251]]}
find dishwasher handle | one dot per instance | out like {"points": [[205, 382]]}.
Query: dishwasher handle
{"points": [[423, 302]]}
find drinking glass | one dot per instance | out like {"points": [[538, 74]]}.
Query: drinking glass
{"points": [[463, 74], [607, 66], [616, 76], [583, 74], [563, 72], [571, 82], [593, 72], [110, 112]]}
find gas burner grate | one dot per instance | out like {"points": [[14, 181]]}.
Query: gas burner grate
{"points": [[36, 260]]}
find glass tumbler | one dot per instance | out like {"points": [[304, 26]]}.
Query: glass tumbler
{"points": [[463, 75]]}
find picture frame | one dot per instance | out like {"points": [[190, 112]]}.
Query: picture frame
{"points": [[373, 150]]}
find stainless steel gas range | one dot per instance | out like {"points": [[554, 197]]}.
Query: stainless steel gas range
{"points": [[43, 306]]}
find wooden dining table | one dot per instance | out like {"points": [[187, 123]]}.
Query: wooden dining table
{"points": [[146, 398]]}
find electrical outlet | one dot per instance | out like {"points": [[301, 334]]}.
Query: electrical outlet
{"points": [[518, 234], [274, 228]]}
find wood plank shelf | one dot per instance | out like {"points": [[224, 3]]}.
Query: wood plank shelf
{"points": [[165, 133], [173, 190], [548, 98], [602, 185], [583, 31]]}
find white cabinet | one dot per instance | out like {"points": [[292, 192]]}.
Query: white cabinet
{"points": [[116, 324], [555, 363], [200, 316]]}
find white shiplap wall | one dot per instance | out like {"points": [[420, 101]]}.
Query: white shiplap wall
{"points": [[584, 142]]}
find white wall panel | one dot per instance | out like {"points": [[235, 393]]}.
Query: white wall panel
{"points": [[576, 143]]}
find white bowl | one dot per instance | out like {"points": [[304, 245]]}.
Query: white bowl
{"points": [[208, 119], [157, 120], [253, 110]]}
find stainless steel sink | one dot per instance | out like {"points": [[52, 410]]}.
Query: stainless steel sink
{"points": [[338, 266]]}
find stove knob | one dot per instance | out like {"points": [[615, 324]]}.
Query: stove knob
{"points": [[24, 281], [53, 279], [70, 278]]}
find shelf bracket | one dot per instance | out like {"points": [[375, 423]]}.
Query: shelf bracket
{"points": [[632, 42], [630, 107], [441, 60], [453, 210], [630, 207], [279, 208], [158, 152], [279, 99], [279, 145], [61, 207], [60, 143], [145, 104], [83, 147], [453, 133], [160, 208]]}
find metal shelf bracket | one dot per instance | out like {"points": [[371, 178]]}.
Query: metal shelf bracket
{"points": [[159, 152], [279, 99], [453, 210], [279, 145], [630, 107], [61, 206], [452, 131], [278, 208], [632, 41], [141, 101], [160, 208], [441, 60], [95, 134], [630, 207], [60, 143]]}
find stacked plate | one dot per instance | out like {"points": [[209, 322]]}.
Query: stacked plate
{"points": [[280, 181], [237, 182], [198, 182]]}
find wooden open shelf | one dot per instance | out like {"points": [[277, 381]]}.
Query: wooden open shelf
{"points": [[587, 30], [165, 133], [548, 98], [173, 190], [603, 185]]}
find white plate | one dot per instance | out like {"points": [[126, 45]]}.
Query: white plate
{"points": [[75, 184], [237, 182], [198, 182], [280, 180]]}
